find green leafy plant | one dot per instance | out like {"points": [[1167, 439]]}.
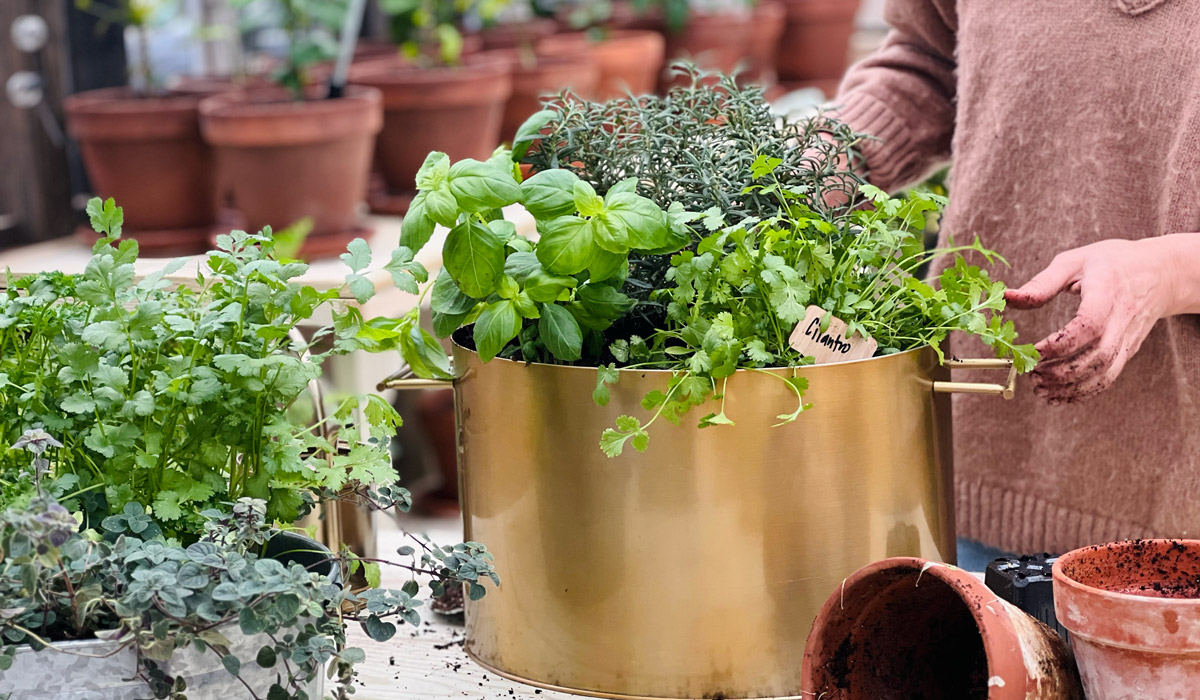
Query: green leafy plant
{"points": [[764, 217], [173, 400], [311, 27], [555, 296], [138, 16], [163, 599], [425, 28]]}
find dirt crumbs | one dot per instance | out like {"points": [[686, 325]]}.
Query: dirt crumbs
{"points": [[1151, 568]]}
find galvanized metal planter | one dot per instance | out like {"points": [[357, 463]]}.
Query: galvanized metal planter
{"points": [[89, 670], [695, 569]]}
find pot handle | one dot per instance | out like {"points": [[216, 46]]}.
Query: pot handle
{"points": [[1006, 390], [405, 379]]}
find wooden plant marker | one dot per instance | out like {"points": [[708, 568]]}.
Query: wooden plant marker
{"points": [[833, 345]]}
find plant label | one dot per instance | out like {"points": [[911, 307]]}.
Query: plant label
{"points": [[832, 344]]}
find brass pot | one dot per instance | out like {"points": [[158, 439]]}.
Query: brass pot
{"points": [[694, 569]]}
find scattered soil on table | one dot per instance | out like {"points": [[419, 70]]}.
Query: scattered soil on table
{"points": [[912, 643], [1141, 567]]}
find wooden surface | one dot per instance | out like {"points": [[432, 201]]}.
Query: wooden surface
{"points": [[428, 663]]}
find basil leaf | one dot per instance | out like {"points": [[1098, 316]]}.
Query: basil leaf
{"points": [[604, 301], [447, 298], [441, 206], [567, 245], [607, 265], [433, 171], [474, 256], [629, 184], [642, 219], [611, 235], [587, 202], [520, 265], [560, 333], [545, 287], [424, 353], [550, 194], [525, 306], [479, 186], [416, 228], [529, 132], [497, 325], [445, 324]]}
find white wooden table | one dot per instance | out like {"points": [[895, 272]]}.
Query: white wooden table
{"points": [[428, 663]]}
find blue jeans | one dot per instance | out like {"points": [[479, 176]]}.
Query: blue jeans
{"points": [[975, 556]]}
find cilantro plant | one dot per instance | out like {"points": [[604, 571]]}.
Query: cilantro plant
{"points": [[549, 300], [160, 598], [171, 401], [760, 218]]}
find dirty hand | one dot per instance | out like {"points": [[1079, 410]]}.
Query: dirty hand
{"points": [[1125, 287]]}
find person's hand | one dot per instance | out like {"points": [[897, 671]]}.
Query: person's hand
{"points": [[1125, 287]]}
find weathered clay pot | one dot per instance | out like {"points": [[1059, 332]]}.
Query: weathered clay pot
{"points": [[147, 154], [1133, 613], [770, 18], [907, 628], [280, 160], [816, 40], [457, 110], [518, 34], [627, 60], [715, 42], [547, 76]]}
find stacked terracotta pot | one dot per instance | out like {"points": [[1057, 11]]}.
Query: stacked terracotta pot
{"points": [[815, 44]]}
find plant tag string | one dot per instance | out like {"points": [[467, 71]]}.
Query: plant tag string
{"points": [[831, 344]]}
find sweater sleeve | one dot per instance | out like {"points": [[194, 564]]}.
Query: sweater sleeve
{"points": [[904, 93]]}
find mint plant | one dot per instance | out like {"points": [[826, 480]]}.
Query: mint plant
{"points": [[170, 402]]}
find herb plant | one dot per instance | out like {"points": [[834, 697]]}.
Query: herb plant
{"points": [[159, 598], [555, 296], [424, 28], [174, 401], [137, 16], [311, 28], [765, 217]]}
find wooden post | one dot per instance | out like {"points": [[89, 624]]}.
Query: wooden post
{"points": [[35, 188]]}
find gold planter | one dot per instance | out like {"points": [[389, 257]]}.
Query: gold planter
{"points": [[694, 569]]}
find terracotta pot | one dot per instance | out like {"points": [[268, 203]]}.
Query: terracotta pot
{"points": [[147, 154], [549, 75], [816, 39], [457, 110], [715, 42], [909, 628], [769, 18], [627, 60], [517, 34], [1133, 613], [281, 160]]}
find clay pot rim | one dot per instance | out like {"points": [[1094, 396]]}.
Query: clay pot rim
{"points": [[564, 41], [123, 101], [1145, 601], [535, 29], [276, 120], [996, 629], [482, 65]]}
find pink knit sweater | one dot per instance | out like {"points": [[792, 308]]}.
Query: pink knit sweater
{"points": [[1069, 122]]}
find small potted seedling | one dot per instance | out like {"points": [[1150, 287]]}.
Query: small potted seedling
{"points": [[141, 143], [629, 58], [435, 94], [294, 152]]}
